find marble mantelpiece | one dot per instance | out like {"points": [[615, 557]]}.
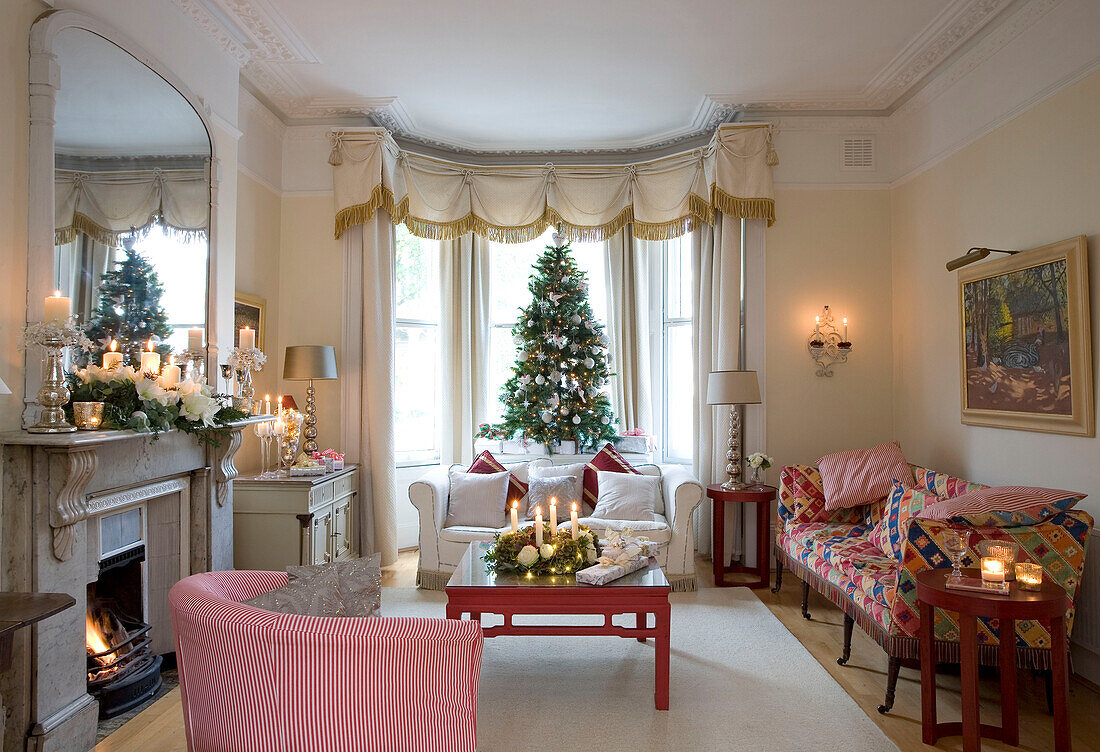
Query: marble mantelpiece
{"points": [[47, 481]]}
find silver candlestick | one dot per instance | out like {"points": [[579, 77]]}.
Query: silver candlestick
{"points": [[54, 395], [733, 455]]}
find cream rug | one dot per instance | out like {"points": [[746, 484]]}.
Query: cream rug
{"points": [[739, 681]]}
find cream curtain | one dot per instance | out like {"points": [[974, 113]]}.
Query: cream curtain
{"points": [[443, 199], [367, 380], [716, 269], [628, 329], [464, 334], [105, 205]]}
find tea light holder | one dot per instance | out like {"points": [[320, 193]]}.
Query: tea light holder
{"points": [[1005, 551], [88, 416], [1029, 576]]}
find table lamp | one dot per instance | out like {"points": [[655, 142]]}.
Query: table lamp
{"points": [[307, 363], [733, 388]]}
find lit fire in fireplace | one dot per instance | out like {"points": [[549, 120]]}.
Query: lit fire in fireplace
{"points": [[102, 634]]}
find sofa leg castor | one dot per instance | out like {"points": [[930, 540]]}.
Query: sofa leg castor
{"points": [[891, 684], [805, 600], [849, 622], [778, 574]]}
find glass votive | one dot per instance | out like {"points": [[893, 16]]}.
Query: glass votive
{"points": [[993, 569], [88, 416], [1003, 550], [1029, 576]]}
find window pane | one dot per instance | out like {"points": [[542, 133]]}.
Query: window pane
{"points": [[678, 392], [502, 356], [511, 271], [416, 393], [417, 272], [678, 278]]}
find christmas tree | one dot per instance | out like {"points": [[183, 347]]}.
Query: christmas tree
{"points": [[129, 308], [555, 391]]}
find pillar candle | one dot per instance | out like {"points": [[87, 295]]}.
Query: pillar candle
{"points": [[817, 327], [150, 361], [194, 338], [279, 428], [170, 376], [112, 358], [538, 527], [279, 409], [267, 404], [515, 516], [248, 339], [554, 513], [574, 528], [58, 308], [845, 328]]}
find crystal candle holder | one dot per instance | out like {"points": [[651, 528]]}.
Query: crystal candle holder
{"points": [[88, 416], [1029, 576], [1005, 551]]}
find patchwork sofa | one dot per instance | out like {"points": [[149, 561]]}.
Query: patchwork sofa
{"points": [[834, 553], [441, 547]]}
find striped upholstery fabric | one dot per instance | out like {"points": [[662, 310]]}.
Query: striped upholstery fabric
{"points": [[1003, 506], [606, 459], [487, 463], [861, 476], [257, 681]]}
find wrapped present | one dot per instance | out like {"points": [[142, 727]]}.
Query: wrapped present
{"points": [[496, 446], [537, 448], [634, 440], [513, 446], [337, 459], [611, 566], [615, 541], [564, 447]]}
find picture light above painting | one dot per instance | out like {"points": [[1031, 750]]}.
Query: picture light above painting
{"points": [[1026, 359]]}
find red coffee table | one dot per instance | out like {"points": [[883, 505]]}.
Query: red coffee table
{"points": [[1050, 603], [475, 591]]}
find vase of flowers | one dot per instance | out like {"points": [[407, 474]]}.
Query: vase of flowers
{"points": [[759, 462]]}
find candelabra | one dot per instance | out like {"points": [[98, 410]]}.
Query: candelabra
{"points": [[245, 360], [826, 345], [53, 337]]}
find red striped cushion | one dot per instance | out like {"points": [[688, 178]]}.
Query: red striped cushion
{"points": [[606, 459], [861, 476], [1003, 506], [487, 463]]}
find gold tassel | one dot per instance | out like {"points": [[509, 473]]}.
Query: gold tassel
{"points": [[336, 157]]}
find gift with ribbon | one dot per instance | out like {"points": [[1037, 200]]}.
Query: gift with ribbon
{"points": [[622, 554]]}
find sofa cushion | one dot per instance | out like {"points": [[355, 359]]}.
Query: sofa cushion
{"points": [[562, 489], [352, 588], [657, 529], [903, 504], [487, 463], [1003, 506], [861, 476], [942, 484], [626, 496], [574, 471], [606, 459], [476, 498], [806, 533], [849, 552], [470, 533]]}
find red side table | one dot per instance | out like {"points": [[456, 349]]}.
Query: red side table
{"points": [[1050, 603], [761, 495]]}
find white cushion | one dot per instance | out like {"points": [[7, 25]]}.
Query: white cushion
{"points": [[469, 534], [657, 529], [541, 490], [476, 499], [626, 496]]}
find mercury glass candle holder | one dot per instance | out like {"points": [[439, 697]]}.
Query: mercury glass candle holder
{"points": [[1029, 576], [88, 416], [1005, 551]]}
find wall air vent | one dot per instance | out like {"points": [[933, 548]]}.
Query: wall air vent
{"points": [[857, 153]]}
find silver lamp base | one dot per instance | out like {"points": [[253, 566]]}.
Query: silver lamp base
{"points": [[309, 427], [733, 454]]}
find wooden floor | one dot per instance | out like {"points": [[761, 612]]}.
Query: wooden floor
{"points": [[160, 727]]}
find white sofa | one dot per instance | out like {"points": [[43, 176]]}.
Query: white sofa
{"points": [[441, 547]]}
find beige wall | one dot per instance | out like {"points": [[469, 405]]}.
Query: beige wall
{"points": [[829, 247], [1031, 182]]}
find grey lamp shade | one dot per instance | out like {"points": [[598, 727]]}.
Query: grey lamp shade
{"points": [[733, 388], [304, 362]]}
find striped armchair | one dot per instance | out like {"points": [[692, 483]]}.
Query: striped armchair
{"points": [[257, 681]]}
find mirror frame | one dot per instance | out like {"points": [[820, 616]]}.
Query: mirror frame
{"points": [[45, 80]]}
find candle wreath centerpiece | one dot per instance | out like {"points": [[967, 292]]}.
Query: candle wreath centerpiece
{"points": [[553, 552]]}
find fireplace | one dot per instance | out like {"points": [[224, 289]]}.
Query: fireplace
{"points": [[123, 670]]}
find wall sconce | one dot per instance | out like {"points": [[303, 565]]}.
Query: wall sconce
{"points": [[827, 345]]}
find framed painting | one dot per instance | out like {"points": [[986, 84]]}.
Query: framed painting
{"points": [[1026, 343], [250, 311]]}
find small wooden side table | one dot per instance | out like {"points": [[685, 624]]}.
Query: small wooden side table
{"points": [[1050, 603], [761, 495]]}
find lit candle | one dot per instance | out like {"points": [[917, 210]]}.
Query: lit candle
{"points": [[267, 404], [1029, 576], [993, 570], [248, 339], [817, 327], [170, 376], [554, 513], [515, 516], [538, 527], [279, 428], [574, 528], [194, 338], [58, 308], [279, 409], [845, 328], [112, 358], [150, 361]]}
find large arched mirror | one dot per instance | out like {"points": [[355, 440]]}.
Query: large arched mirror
{"points": [[131, 200]]}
